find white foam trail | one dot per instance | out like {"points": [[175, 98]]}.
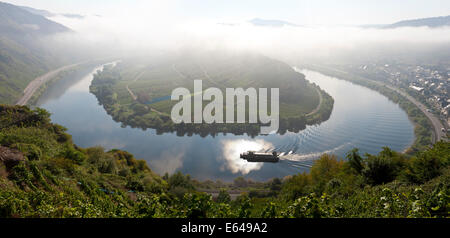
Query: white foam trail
{"points": [[311, 156], [302, 166]]}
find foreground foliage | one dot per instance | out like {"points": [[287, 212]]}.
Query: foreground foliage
{"points": [[43, 174]]}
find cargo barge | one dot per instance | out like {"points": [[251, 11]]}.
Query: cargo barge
{"points": [[252, 156]]}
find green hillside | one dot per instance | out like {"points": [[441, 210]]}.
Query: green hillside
{"points": [[43, 174], [24, 54], [125, 91]]}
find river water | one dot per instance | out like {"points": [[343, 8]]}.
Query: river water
{"points": [[361, 118]]}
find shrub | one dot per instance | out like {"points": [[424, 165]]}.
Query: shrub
{"points": [[306, 207], [384, 167], [32, 152], [58, 166], [355, 161], [180, 180], [135, 184], [378, 170], [269, 211], [296, 186], [325, 169], [244, 206], [197, 205], [223, 196], [429, 164], [75, 155], [21, 175], [423, 168], [108, 166]]}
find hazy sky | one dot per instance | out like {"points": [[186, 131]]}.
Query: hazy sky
{"points": [[299, 11]]}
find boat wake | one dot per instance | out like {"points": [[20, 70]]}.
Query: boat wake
{"points": [[311, 156], [306, 160]]}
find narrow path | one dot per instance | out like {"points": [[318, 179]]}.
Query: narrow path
{"points": [[174, 68], [205, 73], [160, 113], [134, 80], [133, 95], [320, 97], [318, 106]]}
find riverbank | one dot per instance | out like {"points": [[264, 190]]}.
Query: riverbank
{"points": [[423, 127], [40, 84], [372, 122], [437, 125]]}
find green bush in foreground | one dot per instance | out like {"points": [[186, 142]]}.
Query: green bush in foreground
{"points": [[43, 174]]}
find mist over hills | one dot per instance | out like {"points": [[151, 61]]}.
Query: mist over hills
{"points": [[25, 52], [46, 13], [429, 22], [432, 22], [15, 21], [28, 36], [40, 12], [270, 23]]}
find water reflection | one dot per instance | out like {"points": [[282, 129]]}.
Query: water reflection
{"points": [[361, 118], [233, 148], [169, 161]]}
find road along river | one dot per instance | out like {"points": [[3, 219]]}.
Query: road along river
{"points": [[361, 118], [39, 81]]}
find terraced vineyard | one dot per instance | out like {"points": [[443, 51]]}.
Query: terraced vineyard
{"points": [[137, 92]]}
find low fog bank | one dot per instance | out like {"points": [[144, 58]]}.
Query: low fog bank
{"points": [[96, 36]]}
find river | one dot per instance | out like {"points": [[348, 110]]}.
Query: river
{"points": [[361, 118]]}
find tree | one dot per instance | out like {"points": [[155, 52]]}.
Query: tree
{"points": [[240, 182], [244, 206], [355, 160], [140, 109], [425, 166], [379, 170], [180, 180], [384, 167], [275, 186], [223, 197], [296, 186], [325, 169]]}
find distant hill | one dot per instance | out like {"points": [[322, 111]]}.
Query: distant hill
{"points": [[15, 21], [46, 13], [40, 12], [24, 50], [430, 22], [271, 23]]}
